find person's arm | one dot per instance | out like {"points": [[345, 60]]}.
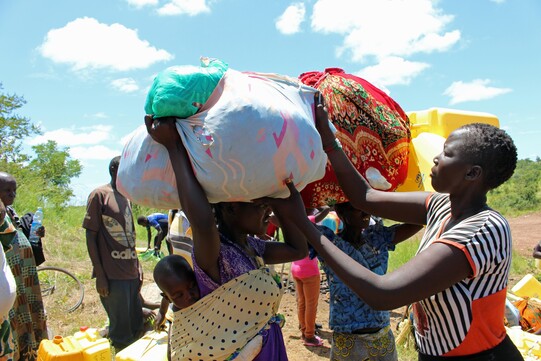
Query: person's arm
{"points": [[206, 245], [102, 283], [149, 236], [431, 271], [408, 207], [294, 246], [405, 231], [158, 238], [321, 214], [162, 312]]}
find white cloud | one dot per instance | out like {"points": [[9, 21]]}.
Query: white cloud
{"points": [[125, 85], [384, 28], [87, 44], [188, 7], [391, 71], [98, 115], [290, 21], [100, 152], [475, 90], [142, 3], [75, 136]]}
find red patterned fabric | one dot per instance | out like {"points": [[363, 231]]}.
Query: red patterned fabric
{"points": [[372, 127]]}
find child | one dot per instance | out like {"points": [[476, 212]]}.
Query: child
{"points": [[457, 281], [176, 279], [225, 253], [307, 279], [360, 332]]}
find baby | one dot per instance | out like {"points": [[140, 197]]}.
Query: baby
{"points": [[176, 279]]}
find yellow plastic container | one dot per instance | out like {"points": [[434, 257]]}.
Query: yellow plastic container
{"points": [[84, 345], [61, 349], [442, 121], [423, 149], [429, 129], [92, 345], [151, 347], [528, 286]]}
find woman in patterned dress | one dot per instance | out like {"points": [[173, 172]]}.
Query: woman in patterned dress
{"points": [[27, 316]]}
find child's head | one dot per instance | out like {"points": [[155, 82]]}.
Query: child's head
{"points": [[352, 217], [242, 217], [142, 221], [490, 148], [176, 280]]}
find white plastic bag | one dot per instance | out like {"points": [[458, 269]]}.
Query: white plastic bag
{"points": [[253, 132]]}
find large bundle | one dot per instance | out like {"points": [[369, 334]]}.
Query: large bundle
{"points": [[254, 131], [372, 128]]}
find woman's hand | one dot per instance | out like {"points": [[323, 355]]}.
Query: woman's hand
{"points": [[291, 208], [322, 121], [163, 130], [40, 232]]}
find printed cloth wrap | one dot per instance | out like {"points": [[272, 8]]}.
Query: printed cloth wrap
{"points": [[254, 131], [373, 129], [221, 323], [7, 233]]}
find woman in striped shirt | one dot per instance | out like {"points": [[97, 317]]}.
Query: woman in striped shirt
{"points": [[457, 281]]}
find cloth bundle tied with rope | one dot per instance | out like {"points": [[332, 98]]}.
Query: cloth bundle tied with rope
{"points": [[219, 325]]}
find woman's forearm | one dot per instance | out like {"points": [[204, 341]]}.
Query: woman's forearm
{"points": [[192, 197]]}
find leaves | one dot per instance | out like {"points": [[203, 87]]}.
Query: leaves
{"points": [[43, 177]]}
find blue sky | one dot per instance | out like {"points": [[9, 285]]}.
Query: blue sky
{"points": [[84, 67]]}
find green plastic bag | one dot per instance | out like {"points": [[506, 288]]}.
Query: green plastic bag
{"points": [[176, 88]]}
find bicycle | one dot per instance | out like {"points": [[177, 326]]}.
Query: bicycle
{"points": [[60, 289]]}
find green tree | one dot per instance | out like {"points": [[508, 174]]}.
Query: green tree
{"points": [[520, 193], [13, 128], [42, 178]]}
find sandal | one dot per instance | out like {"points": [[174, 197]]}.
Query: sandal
{"points": [[317, 343]]}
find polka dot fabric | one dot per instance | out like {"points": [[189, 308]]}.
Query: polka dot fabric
{"points": [[226, 319]]}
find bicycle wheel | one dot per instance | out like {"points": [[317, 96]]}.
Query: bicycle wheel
{"points": [[60, 289]]}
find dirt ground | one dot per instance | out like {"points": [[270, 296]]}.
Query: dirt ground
{"points": [[526, 233]]}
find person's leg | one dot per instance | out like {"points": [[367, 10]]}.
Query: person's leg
{"points": [[124, 309], [300, 304], [311, 294], [169, 245], [137, 317]]}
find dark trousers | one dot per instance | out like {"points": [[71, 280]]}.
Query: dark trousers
{"points": [[125, 312], [505, 351]]}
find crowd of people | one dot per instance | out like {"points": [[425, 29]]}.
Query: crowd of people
{"points": [[224, 297]]}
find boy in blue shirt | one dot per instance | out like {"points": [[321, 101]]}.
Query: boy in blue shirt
{"points": [[360, 332], [160, 222]]}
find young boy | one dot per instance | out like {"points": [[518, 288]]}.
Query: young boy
{"points": [[359, 331]]}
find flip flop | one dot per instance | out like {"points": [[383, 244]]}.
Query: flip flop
{"points": [[318, 343]]}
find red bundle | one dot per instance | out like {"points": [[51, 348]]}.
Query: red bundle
{"points": [[372, 127]]}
